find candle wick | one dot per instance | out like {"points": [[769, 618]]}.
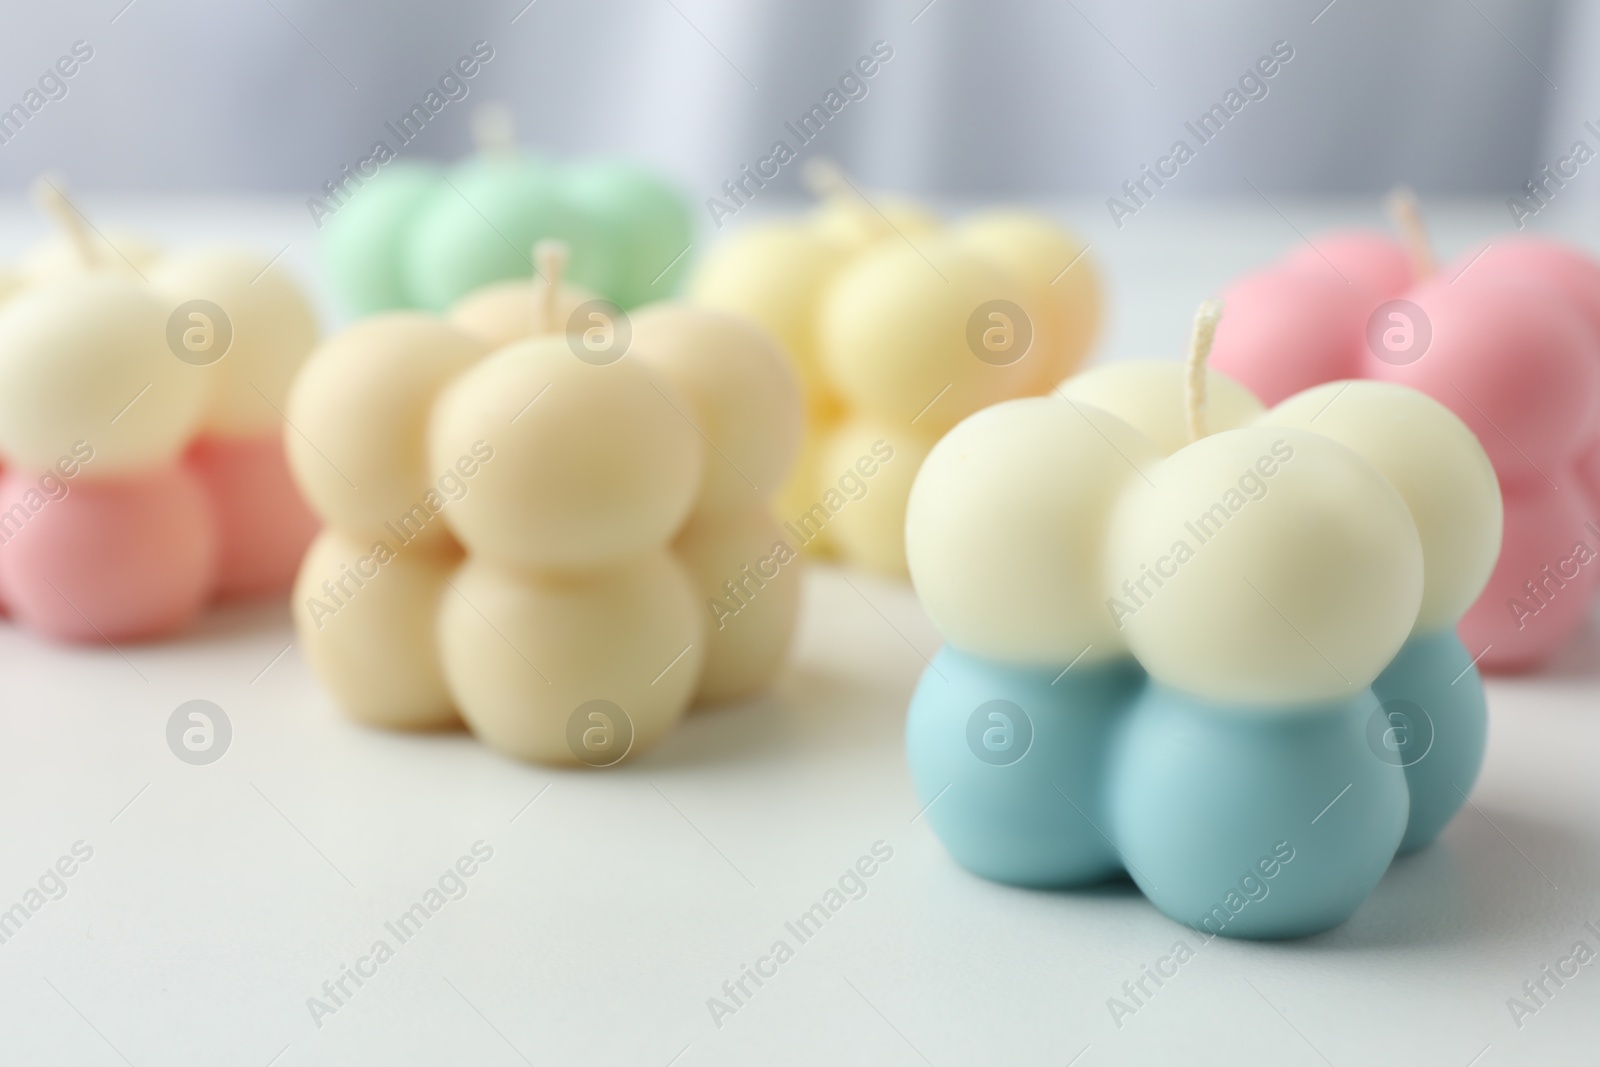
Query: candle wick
{"points": [[823, 178], [494, 131], [1194, 377], [550, 261], [826, 180], [1406, 215], [53, 202]]}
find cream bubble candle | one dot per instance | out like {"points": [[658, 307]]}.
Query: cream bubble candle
{"points": [[140, 393], [546, 517], [899, 327], [1199, 642], [1508, 338]]}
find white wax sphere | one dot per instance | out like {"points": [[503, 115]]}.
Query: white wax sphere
{"points": [[774, 273], [1437, 465], [1007, 525], [1265, 566], [508, 311], [273, 330], [746, 574], [86, 359], [591, 463], [897, 334], [365, 614], [523, 654], [864, 478], [358, 415], [115, 251], [1054, 266], [1148, 394], [744, 394]]}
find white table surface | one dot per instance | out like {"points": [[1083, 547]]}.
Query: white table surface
{"points": [[219, 898]]}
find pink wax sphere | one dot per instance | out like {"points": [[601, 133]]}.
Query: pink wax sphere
{"points": [[1544, 582], [1372, 261], [263, 525], [1508, 338], [1513, 359], [121, 559], [1287, 330]]}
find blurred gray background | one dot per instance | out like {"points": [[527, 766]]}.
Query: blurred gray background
{"points": [[1032, 98]]}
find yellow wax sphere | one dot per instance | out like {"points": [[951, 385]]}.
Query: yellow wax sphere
{"points": [[744, 395], [905, 334], [364, 612], [851, 222], [114, 251], [86, 359], [1148, 394], [803, 489], [586, 463], [746, 574], [11, 283], [528, 658], [774, 274], [1007, 525], [1437, 465], [1266, 565], [503, 312], [269, 329], [1060, 276], [864, 479], [358, 415]]}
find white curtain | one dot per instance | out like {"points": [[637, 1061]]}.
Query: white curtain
{"points": [[1036, 98]]}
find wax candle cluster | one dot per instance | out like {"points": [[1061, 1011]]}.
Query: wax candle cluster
{"points": [[1508, 338], [418, 236], [140, 392], [537, 516], [1187, 635], [899, 327]]}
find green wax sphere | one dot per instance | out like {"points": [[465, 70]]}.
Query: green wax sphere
{"points": [[642, 224], [362, 241], [480, 226]]}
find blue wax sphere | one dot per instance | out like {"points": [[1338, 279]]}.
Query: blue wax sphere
{"points": [[1013, 761], [1254, 822], [1433, 722]]}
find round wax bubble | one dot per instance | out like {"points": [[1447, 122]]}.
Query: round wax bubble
{"points": [[643, 221], [572, 464], [774, 273], [1529, 412], [121, 559], [1248, 825], [1062, 277], [1433, 721], [1148, 394], [86, 360], [364, 612], [483, 226], [1286, 330], [263, 524], [1264, 565], [363, 241], [532, 661], [902, 332], [1006, 528], [1010, 765], [746, 575], [1437, 465]]}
